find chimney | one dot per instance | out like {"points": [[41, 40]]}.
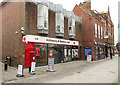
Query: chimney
{"points": [[87, 4]]}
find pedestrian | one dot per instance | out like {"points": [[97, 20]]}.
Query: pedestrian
{"points": [[119, 53], [111, 55], [106, 55]]}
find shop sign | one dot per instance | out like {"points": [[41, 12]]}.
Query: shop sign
{"points": [[47, 40]]}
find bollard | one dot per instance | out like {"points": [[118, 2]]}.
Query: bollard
{"points": [[10, 61], [20, 71], [5, 66]]}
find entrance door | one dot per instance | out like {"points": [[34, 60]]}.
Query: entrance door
{"points": [[87, 51]]}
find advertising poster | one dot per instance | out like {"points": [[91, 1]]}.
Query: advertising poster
{"points": [[51, 63], [88, 58], [74, 53], [65, 53], [50, 53]]}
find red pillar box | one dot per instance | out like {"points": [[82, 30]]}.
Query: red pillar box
{"points": [[32, 62]]}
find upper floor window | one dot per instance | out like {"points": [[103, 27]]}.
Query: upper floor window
{"points": [[71, 23], [95, 30], [98, 31], [42, 18], [59, 23], [101, 33]]}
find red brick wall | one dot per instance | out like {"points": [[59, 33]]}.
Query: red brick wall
{"points": [[12, 21], [88, 29]]}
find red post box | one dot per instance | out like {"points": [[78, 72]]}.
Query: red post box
{"points": [[32, 56]]}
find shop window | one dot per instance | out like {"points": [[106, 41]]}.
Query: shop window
{"points": [[42, 17], [41, 54], [95, 30]]}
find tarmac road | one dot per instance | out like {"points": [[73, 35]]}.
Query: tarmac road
{"points": [[101, 71]]}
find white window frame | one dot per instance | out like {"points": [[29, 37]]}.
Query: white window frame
{"points": [[60, 23], [42, 17], [101, 32], [96, 30], [71, 23]]}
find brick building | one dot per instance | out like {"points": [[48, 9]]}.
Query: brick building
{"points": [[45, 26], [93, 28]]}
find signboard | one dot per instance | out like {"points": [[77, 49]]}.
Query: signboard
{"points": [[50, 63], [88, 58], [47, 40], [50, 53]]}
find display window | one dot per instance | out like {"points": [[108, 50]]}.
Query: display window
{"points": [[67, 53], [57, 52], [101, 52], [41, 54]]}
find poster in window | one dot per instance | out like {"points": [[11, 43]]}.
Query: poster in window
{"points": [[65, 52], [50, 53]]}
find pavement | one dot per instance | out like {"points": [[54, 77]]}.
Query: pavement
{"points": [[66, 69]]}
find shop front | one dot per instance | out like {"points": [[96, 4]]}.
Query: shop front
{"points": [[60, 49], [99, 50]]}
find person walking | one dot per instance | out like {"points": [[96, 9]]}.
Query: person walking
{"points": [[106, 54], [111, 55]]}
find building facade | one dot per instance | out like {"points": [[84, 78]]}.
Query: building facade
{"points": [[93, 30], [118, 44], [42, 27]]}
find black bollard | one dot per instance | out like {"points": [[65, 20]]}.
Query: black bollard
{"points": [[5, 66], [10, 61]]}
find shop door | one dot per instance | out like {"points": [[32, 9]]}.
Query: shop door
{"points": [[87, 51]]}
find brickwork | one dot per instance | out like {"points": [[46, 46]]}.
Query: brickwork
{"points": [[12, 21], [88, 29]]}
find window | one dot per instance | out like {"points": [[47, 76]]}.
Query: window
{"points": [[59, 22], [42, 21], [101, 33], [71, 23], [98, 31], [95, 30]]}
